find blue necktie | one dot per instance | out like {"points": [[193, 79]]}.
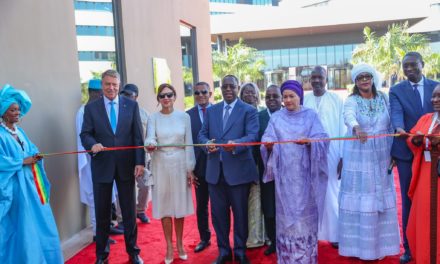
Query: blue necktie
{"points": [[226, 116], [417, 96], [113, 116]]}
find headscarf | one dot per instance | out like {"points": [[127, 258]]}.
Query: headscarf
{"points": [[95, 84], [363, 67], [9, 95], [293, 86]]}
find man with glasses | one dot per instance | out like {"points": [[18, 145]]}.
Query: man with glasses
{"points": [[329, 107], [230, 169], [273, 104], [409, 100], [202, 93], [144, 183]]}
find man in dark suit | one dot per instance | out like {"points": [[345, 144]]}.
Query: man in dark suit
{"points": [[202, 93], [113, 121], [273, 104], [409, 100], [230, 169]]}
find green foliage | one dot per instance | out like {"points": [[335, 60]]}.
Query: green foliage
{"points": [[240, 60], [217, 95], [85, 86], [188, 101], [385, 53], [187, 75]]}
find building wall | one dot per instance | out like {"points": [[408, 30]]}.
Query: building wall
{"points": [[151, 29], [39, 55]]}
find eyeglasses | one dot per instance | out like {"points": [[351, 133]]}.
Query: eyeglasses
{"points": [[168, 95], [200, 92], [232, 86], [366, 77], [272, 96]]}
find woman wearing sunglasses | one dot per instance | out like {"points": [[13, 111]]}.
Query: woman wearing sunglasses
{"points": [[172, 168], [368, 226]]}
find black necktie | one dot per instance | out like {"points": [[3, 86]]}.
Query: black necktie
{"points": [[417, 96]]}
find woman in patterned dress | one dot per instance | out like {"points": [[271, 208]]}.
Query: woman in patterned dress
{"points": [[368, 225]]}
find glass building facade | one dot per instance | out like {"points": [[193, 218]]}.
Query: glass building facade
{"points": [[297, 63]]}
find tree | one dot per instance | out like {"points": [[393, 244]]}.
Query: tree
{"points": [[240, 60], [385, 53]]}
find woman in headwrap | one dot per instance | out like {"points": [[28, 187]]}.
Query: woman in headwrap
{"points": [[300, 174], [27, 226], [368, 225], [250, 94]]}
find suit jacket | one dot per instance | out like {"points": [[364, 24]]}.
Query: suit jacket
{"points": [[196, 125], [263, 117], [97, 129], [405, 113], [242, 126]]}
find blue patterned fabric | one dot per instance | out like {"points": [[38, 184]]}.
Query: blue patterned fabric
{"points": [[28, 230]]}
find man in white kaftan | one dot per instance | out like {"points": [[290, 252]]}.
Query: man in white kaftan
{"points": [[329, 107]]}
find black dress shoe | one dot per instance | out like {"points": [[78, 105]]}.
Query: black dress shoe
{"points": [[101, 261], [223, 259], [118, 230], [135, 259], [334, 245], [143, 217], [405, 258], [202, 245], [110, 241], [242, 259], [270, 250]]}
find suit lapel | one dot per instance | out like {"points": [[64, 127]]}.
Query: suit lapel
{"points": [[235, 113], [417, 106], [427, 94], [122, 115], [103, 113]]}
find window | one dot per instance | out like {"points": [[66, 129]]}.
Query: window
{"points": [[302, 54], [276, 62], [97, 55], [293, 55], [339, 54], [311, 54], [189, 57], [330, 55], [95, 6], [321, 56], [95, 31], [285, 58]]}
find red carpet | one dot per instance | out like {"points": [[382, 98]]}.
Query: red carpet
{"points": [[152, 245]]}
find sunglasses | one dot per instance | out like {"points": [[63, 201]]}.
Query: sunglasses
{"points": [[366, 77], [232, 86], [200, 92], [168, 95], [274, 96]]}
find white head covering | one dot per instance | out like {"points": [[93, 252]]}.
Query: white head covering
{"points": [[363, 67]]}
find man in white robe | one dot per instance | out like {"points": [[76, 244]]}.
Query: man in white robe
{"points": [[329, 107]]}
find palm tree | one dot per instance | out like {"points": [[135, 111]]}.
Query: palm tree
{"points": [[244, 62], [385, 53]]}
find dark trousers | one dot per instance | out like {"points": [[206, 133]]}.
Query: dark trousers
{"points": [[202, 199], [404, 168], [102, 193], [223, 198], [268, 206]]}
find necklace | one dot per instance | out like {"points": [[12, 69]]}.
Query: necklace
{"points": [[12, 132]]}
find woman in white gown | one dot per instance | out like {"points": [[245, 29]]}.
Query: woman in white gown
{"points": [[172, 168]]}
